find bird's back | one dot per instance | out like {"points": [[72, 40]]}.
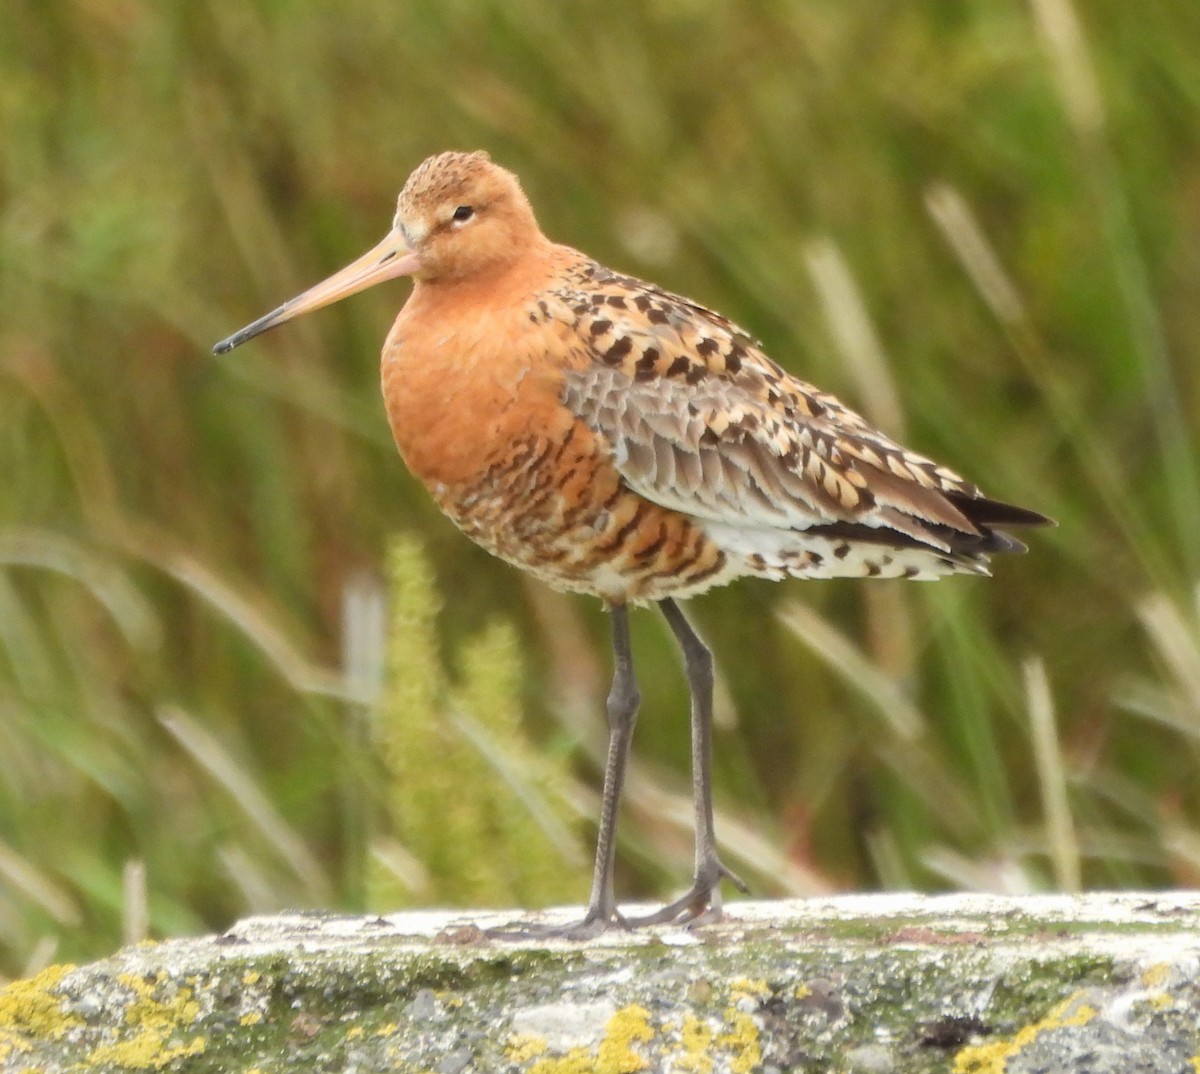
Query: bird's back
{"points": [[617, 439]]}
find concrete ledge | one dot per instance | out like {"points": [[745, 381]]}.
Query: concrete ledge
{"points": [[862, 984]]}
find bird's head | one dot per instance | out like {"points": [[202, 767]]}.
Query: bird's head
{"points": [[459, 217], [462, 215]]}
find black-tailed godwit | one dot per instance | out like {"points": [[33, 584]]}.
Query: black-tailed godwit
{"points": [[615, 439]]}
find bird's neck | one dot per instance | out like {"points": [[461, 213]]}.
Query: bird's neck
{"points": [[519, 272], [456, 361]]}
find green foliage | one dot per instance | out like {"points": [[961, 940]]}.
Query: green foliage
{"points": [[465, 787], [976, 221]]}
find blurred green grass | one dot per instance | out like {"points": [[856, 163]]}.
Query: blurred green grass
{"points": [[978, 221]]}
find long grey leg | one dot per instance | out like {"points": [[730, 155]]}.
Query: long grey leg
{"points": [[623, 701], [702, 902], [704, 898]]}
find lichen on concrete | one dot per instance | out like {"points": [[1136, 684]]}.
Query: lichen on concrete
{"points": [[865, 985], [32, 1009]]}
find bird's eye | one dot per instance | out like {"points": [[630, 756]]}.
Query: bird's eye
{"points": [[463, 213]]}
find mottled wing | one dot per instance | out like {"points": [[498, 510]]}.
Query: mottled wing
{"points": [[701, 421]]}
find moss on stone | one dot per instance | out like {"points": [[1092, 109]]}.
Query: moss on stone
{"points": [[993, 1057], [308, 992]]}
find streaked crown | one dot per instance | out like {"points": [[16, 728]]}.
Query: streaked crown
{"points": [[465, 216]]}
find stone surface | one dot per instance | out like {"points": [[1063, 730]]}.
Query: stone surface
{"points": [[871, 984]]}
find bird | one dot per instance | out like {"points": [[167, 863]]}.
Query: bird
{"points": [[615, 439]]}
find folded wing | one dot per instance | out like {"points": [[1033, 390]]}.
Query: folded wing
{"points": [[701, 421]]}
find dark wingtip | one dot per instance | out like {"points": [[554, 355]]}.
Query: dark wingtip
{"points": [[984, 512], [993, 517], [999, 541], [1022, 516]]}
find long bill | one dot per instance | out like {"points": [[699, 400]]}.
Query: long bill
{"points": [[391, 258]]}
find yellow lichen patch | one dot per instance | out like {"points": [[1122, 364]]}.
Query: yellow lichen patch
{"points": [[523, 1047], [252, 1018], [697, 1038], [1195, 1063], [251, 977], [144, 1051], [156, 1020], [615, 1055], [1155, 976], [743, 1041], [388, 1029], [147, 1009], [576, 1061], [629, 1026], [992, 1058], [10, 1043], [33, 1007], [750, 986]]}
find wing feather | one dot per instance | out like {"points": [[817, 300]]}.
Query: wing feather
{"points": [[700, 420]]}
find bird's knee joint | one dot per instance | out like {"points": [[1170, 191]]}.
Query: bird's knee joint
{"points": [[623, 702], [699, 659]]}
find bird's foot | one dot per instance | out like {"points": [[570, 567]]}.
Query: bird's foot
{"points": [[596, 921], [699, 905]]}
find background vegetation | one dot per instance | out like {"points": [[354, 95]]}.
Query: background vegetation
{"points": [[979, 222]]}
